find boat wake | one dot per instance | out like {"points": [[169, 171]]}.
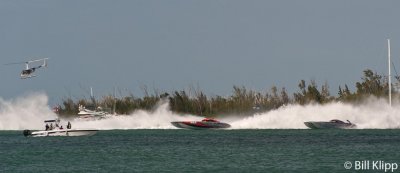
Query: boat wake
{"points": [[29, 112], [26, 112], [160, 118], [373, 114]]}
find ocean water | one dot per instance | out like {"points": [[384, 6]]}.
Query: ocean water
{"points": [[145, 141], [179, 150]]}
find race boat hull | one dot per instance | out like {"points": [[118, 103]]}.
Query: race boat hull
{"points": [[66, 132], [200, 125], [329, 125]]}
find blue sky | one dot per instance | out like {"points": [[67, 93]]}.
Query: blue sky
{"points": [[213, 44]]}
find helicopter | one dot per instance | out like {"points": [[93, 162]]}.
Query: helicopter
{"points": [[28, 71]]}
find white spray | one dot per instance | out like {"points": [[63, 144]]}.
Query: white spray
{"points": [[160, 118], [27, 112], [376, 113], [30, 111]]}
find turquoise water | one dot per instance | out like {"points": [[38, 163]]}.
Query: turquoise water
{"points": [[198, 151]]}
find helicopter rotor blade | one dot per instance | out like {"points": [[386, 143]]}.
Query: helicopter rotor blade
{"points": [[27, 62], [36, 60], [16, 63]]}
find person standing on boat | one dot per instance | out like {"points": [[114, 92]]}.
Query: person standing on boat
{"points": [[47, 127], [69, 125]]}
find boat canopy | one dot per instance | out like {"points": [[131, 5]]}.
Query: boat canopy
{"points": [[209, 120], [336, 121], [51, 121]]}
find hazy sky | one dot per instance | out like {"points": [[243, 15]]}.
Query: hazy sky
{"points": [[173, 44]]}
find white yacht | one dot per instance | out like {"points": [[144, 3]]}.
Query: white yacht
{"points": [[54, 128], [89, 115], [94, 113]]}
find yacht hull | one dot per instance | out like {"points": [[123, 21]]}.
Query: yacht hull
{"points": [[66, 132]]}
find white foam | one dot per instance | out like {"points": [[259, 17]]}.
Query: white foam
{"points": [[375, 113], [26, 112], [29, 112], [160, 118]]}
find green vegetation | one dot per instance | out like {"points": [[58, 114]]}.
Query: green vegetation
{"points": [[242, 100]]}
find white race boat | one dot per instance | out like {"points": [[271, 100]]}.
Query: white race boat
{"points": [[58, 130]]}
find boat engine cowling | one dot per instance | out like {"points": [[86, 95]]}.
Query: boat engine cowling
{"points": [[27, 132]]}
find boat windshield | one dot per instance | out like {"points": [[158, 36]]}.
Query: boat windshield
{"points": [[336, 121], [209, 120]]}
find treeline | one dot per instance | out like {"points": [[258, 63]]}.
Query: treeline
{"points": [[242, 100]]}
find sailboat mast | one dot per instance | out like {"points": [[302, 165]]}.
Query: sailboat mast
{"points": [[91, 92], [389, 76], [115, 101], [92, 97]]}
